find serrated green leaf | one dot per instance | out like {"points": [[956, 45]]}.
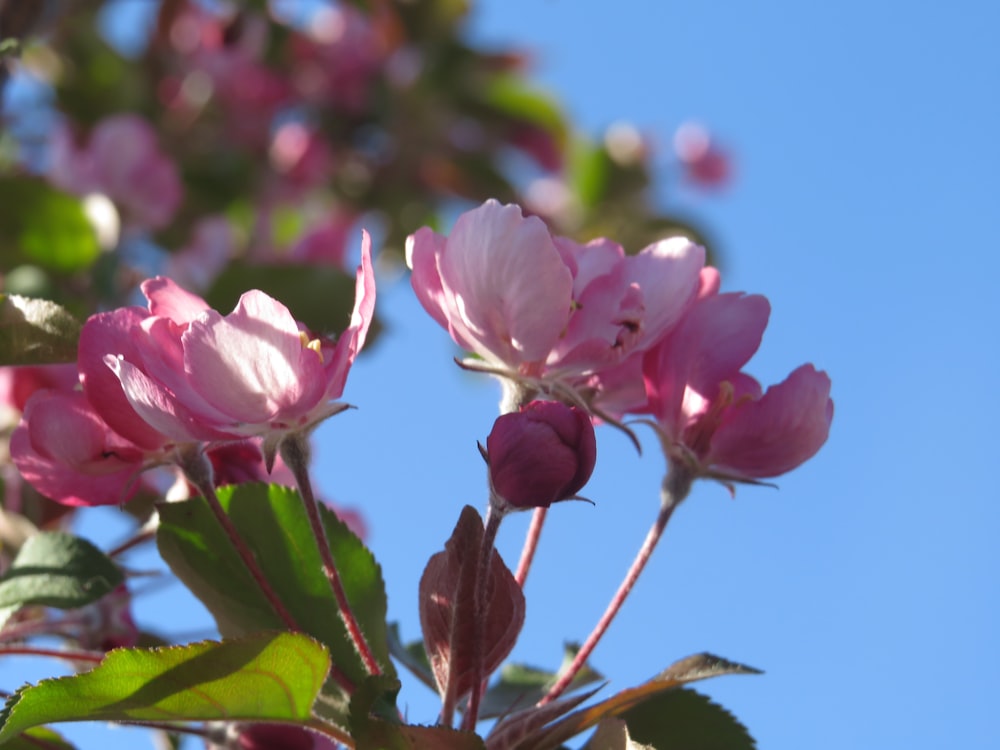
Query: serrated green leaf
{"points": [[682, 719], [56, 569], [613, 734], [268, 677], [375, 724], [520, 685], [411, 655], [272, 520], [322, 298], [36, 332], [690, 669]]}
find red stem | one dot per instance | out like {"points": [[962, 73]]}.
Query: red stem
{"points": [[676, 486], [530, 545], [294, 450], [95, 657], [492, 525], [198, 470]]}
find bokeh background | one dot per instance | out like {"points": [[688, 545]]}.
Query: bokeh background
{"points": [[864, 204]]}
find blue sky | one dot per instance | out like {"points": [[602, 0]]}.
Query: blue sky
{"points": [[865, 208]]}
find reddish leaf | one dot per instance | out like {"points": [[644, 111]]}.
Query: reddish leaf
{"points": [[453, 634]]}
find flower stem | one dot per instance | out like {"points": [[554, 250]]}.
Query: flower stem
{"points": [[94, 657], [675, 488], [198, 470], [295, 452], [530, 545], [491, 526]]}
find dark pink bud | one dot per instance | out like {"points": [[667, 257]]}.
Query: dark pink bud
{"points": [[541, 454], [276, 737]]}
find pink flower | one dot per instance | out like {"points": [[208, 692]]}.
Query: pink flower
{"points": [[716, 419], [122, 160], [108, 622], [66, 451], [705, 163], [541, 454], [540, 309], [18, 383], [183, 373]]}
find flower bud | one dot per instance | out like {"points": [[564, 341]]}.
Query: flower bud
{"points": [[275, 737], [541, 454]]}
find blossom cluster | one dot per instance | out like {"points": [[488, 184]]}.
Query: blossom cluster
{"points": [[155, 381], [617, 334]]}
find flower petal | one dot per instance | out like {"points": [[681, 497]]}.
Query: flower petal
{"points": [[509, 291], [776, 433]]}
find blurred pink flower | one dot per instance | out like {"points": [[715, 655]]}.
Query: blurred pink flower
{"points": [[325, 242], [716, 419], [212, 245], [705, 163], [336, 60], [18, 383], [123, 161]]}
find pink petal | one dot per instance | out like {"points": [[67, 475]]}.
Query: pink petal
{"points": [[252, 363], [113, 333], [423, 249], [668, 274], [509, 291], [69, 455], [168, 300], [773, 435], [353, 339], [158, 407], [715, 338]]}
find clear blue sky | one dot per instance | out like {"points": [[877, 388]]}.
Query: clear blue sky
{"points": [[865, 207]]}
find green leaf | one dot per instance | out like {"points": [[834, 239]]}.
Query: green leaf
{"points": [[411, 655], [375, 725], [320, 297], [38, 738], [682, 719], [272, 520], [520, 685], [56, 569], [513, 96], [47, 226], [36, 332], [690, 669], [269, 676]]}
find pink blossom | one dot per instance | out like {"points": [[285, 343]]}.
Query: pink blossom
{"points": [[108, 622], [212, 245], [65, 451], [337, 59], [123, 161], [541, 309], [716, 419], [18, 383], [543, 453], [325, 242], [706, 164], [181, 372]]}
